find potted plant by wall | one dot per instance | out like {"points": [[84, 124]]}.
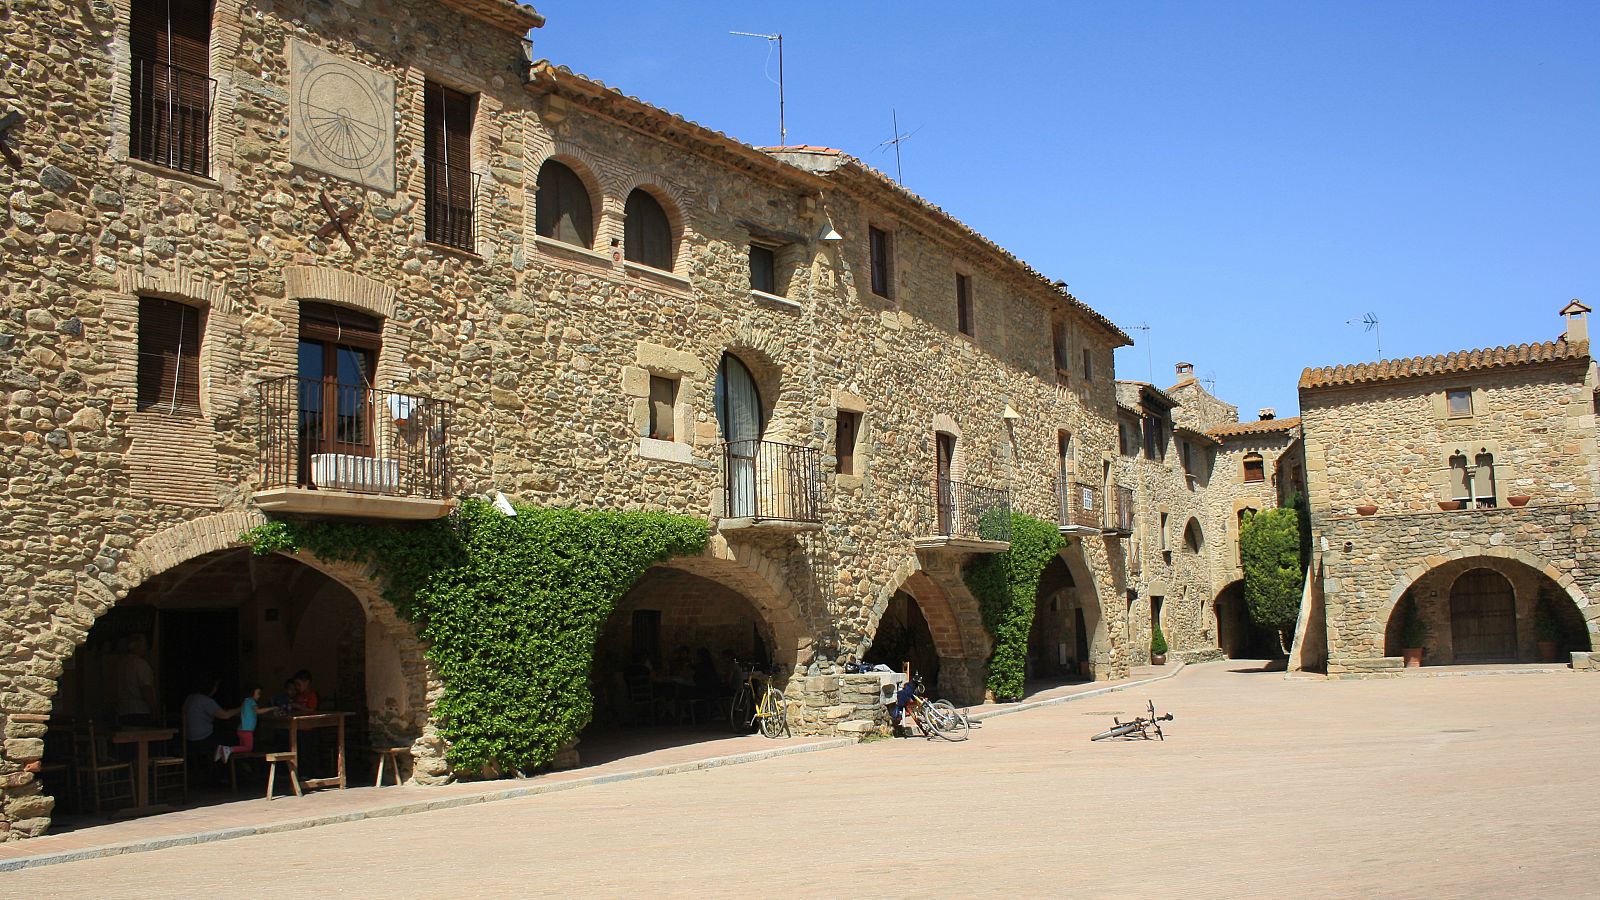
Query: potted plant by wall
{"points": [[1519, 500], [1413, 632], [1451, 505], [1158, 648], [1367, 509], [1547, 629]]}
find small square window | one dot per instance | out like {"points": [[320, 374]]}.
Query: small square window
{"points": [[964, 304], [763, 269], [1459, 403], [663, 408], [847, 437]]}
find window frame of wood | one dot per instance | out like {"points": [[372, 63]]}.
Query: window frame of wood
{"points": [[450, 186], [964, 320], [1450, 397], [168, 357], [1256, 462], [880, 256], [663, 400], [847, 442], [647, 238], [171, 89], [769, 253], [562, 202]]}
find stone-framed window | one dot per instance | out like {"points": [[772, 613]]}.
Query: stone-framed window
{"points": [[1194, 540], [1458, 403], [1255, 468], [663, 408], [1155, 437], [647, 231], [1162, 536], [1128, 437], [169, 356], [764, 269], [846, 442], [563, 210], [880, 255], [965, 323], [450, 185], [1472, 480]]}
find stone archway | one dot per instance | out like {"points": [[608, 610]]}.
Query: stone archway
{"points": [[399, 703], [954, 625]]}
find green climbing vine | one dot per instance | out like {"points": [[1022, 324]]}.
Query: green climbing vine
{"points": [[1006, 585], [510, 609]]}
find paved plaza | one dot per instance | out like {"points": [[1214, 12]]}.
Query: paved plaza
{"points": [[1477, 785]]}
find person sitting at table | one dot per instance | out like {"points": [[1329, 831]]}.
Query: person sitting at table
{"points": [[201, 711], [136, 684], [305, 697], [248, 710], [285, 698]]}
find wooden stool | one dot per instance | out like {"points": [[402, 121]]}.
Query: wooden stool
{"points": [[392, 756], [289, 759]]}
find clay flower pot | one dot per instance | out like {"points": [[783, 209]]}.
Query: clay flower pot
{"points": [[1158, 659], [1366, 510], [1519, 500], [1450, 505], [1412, 656]]}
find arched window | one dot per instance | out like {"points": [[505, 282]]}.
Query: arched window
{"points": [[1193, 538], [647, 234], [564, 210], [740, 417]]}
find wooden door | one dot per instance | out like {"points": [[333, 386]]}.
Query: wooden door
{"points": [[946, 490], [1483, 617]]}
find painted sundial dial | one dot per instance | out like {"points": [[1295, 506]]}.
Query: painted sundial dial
{"points": [[341, 117]]}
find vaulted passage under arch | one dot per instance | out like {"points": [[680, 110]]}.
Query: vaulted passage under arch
{"points": [[1489, 609], [1058, 643]]}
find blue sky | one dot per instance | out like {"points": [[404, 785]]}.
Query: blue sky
{"points": [[1243, 177]]}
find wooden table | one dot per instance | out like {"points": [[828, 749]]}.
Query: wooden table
{"points": [[141, 770], [297, 722]]}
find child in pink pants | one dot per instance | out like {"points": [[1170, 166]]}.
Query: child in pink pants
{"points": [[248, 710]]}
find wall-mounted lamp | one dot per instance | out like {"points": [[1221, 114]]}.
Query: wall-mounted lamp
{"points": [[831, 235]]}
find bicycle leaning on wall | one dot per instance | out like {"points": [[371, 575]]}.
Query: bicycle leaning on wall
{"points": [[934, 718], [758, 701]]}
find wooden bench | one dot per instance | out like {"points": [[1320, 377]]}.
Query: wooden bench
{"points": [[233, 771], [391, 755], [289, 759]]}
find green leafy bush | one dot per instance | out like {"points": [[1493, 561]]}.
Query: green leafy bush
{"points": [[1158, 641], [510, 609], [1007, 585], [1546, 627], [1273, 547]]}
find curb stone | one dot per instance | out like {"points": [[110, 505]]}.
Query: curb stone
{"points": [[402, 809], [1053, 701]]}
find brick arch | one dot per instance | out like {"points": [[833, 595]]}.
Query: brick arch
{"points": [[1380, 622], [756, 577], [329, 285], [954, 636], [70, 623], [180, 285], [943, 422], [760, 350], [677, 225]]}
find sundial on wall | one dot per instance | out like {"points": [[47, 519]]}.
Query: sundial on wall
{"points": [[341, 117]]}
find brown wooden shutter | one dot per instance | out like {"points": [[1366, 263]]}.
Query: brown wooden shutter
{"points": [[878, 249], [170, 42], [563, 208], [647, 233], [169, 357], [964, 304], [447, 128]]}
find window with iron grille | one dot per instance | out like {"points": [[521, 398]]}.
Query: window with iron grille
{"points": [[646, 231], [169, 357], [170, 84], [879, 248], [451, 184]]}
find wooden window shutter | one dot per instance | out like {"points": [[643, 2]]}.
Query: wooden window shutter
{"points": [[169, 357], [878, 248], [964, 304], [447, 131], [170, 44], [563, 208], [647, 233], [847, 428]]}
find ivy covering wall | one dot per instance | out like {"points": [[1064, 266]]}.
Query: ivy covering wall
{"points": [[1007, 587], [510, 609]]}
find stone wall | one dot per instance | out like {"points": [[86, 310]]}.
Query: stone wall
{"points": [[539, 346]]}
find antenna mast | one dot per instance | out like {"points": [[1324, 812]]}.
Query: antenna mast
{"points": [[1371, 321], [783, 128], [1149, 355], [896, 141]]}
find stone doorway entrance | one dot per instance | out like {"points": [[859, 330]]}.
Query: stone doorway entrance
{"points": [[1483, 617]]}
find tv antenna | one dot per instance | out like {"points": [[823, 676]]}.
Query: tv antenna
{"points": [[1210, 381], [783, 130], [1149, 355], [1371, 321], [896, 141]]}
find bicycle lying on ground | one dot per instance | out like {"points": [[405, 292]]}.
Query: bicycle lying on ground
{"points": [[1139, 728], [771, 710], [934, 718]]}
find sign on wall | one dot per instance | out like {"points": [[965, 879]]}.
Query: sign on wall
{"points": [[341, 117]]}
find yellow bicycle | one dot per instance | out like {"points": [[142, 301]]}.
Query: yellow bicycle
{"points": [[771, 711]]}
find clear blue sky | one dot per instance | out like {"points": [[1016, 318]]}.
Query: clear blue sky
{"points": [[1244, 177]]}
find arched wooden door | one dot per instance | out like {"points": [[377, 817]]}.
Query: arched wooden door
{"points": [[1483, 617]]}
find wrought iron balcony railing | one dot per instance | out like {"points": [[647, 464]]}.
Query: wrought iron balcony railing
{"points": [[171, 117], [1123, 523], [1078, 504], [970, 511], [322, 435], [452, 194], [768, 481]]}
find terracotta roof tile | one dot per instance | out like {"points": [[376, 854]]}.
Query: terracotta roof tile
{"points": [[507, 14], [1253, 429], [1449, 364]]}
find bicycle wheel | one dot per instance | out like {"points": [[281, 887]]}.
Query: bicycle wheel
{"points": [[1119, 731], [774, 714], [948, 721], [924, 721], [739, 711]]}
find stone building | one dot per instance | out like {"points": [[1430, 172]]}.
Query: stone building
{"points": [[289, 259], [1461, 487]]}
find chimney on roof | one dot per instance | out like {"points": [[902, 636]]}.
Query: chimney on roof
{"points": [[1266, 414], [1185, 372], [1577, 316]]}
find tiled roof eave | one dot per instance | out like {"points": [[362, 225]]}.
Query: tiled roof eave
{"points": [[1557, 353], [507, 14]]}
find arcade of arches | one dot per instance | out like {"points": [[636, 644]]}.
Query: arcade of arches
{"points": [[1488, 609], [1064, 619]]}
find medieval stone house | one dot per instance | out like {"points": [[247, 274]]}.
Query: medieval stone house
{"points": [[298, 259], [1458, 488]]}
